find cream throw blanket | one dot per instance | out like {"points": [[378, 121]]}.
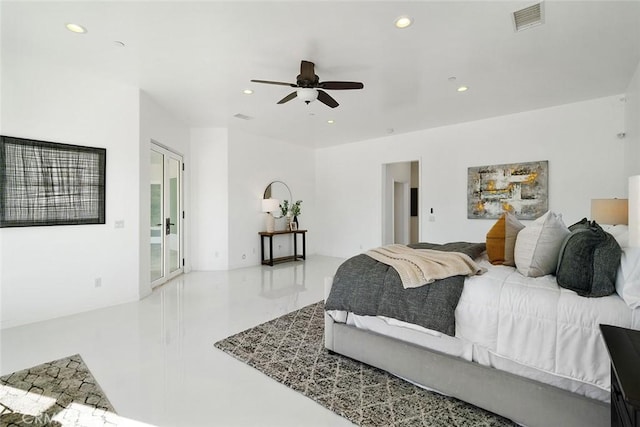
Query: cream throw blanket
{"points": [[418, 267]]}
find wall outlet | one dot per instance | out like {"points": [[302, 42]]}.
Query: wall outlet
{"points": [[244, 256], [119, 223], [97, 282]]}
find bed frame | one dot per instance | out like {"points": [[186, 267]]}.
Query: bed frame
{"points": [[520, 399]]}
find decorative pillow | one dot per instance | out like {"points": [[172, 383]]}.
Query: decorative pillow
{"points": [[620, 232], [588, 261], [501, 239], [538, 245], [583, 223], [628, 277]]}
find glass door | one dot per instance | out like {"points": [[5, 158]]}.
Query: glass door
{"points": [[165, 234], [157, 216], [172, 220]]}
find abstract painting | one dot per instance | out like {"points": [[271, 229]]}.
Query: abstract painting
{"points": [[519, 188], [47, 183]]}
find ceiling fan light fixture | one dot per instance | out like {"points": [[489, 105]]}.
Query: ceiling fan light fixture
{"points": [[307, 94], [403, 21]]}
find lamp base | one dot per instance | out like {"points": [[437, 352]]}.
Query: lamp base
{"points": [[270, 223]]}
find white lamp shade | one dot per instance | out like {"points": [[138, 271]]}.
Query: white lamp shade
{"points": [[270, 205], [307, 95], [610, 211]]}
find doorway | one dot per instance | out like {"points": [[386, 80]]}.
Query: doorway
{"points": [[400, 189], [166, 220]]}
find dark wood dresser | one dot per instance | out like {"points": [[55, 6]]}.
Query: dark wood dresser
{"points": [[624, 351]]}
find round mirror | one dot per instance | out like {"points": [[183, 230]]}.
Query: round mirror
{"points": [[280, 191]]}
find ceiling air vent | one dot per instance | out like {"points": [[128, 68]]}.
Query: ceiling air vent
{"points": [[528, 17], [242, 116]]}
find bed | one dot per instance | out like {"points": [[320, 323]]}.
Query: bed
{"points": [[523, 347]]}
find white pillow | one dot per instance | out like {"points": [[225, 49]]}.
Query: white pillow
{"points": [[628, 277], [619, 232], [538, 245]]}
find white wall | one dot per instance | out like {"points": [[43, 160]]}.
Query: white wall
{"points": [[632, 126], [579, 141], [48, 272], [255, 161], [159, 126], [208, 212]]}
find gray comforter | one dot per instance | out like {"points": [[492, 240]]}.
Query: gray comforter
{"points": [[368, 287]]}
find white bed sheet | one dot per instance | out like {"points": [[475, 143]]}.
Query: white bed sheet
{"points": [[414, 334], [534, 328], [527, 326]]}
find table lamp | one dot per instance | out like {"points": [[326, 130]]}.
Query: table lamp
{"points": [[268, 206], [610, 211]]}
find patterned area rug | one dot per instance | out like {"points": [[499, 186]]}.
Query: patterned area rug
{"points": [[58, 393], [290, 349]]}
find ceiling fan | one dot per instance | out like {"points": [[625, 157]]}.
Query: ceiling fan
{"points": [[310, 87]]}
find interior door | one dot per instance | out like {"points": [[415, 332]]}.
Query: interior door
{"points": [[165, 236]]}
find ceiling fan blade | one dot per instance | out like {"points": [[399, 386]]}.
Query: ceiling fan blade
{"points": [[275, 83], [288, 97], [340, 85], [307, 71], [326, 99]]}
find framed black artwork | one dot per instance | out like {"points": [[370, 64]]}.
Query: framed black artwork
{"points": [[414, 202], [48, 183]]}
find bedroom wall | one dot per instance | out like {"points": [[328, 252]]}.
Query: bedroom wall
{"points": [[48, 272], [208, 211], [579, 140], [255, 161], [632, 126], [159, 126]]}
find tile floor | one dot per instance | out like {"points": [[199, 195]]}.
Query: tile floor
{"points": [[155, 358]]}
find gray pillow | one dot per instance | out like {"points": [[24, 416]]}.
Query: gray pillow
{"points": [[588, 261]]}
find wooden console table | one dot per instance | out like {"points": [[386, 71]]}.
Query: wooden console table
{"points": [[271, 260]]}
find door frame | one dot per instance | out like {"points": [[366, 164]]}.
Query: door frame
{"points": [[389, 180], [167, 154]]}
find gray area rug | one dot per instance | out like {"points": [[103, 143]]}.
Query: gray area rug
{"points": [[58, 393], [290, 349]]}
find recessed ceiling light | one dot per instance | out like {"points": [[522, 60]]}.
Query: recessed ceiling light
{"points": [[75, 28], [463, 89], [247, 91], [403, 21], [330, 122]]}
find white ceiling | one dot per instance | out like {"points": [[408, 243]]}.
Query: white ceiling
{"points": [[195, 58]]}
